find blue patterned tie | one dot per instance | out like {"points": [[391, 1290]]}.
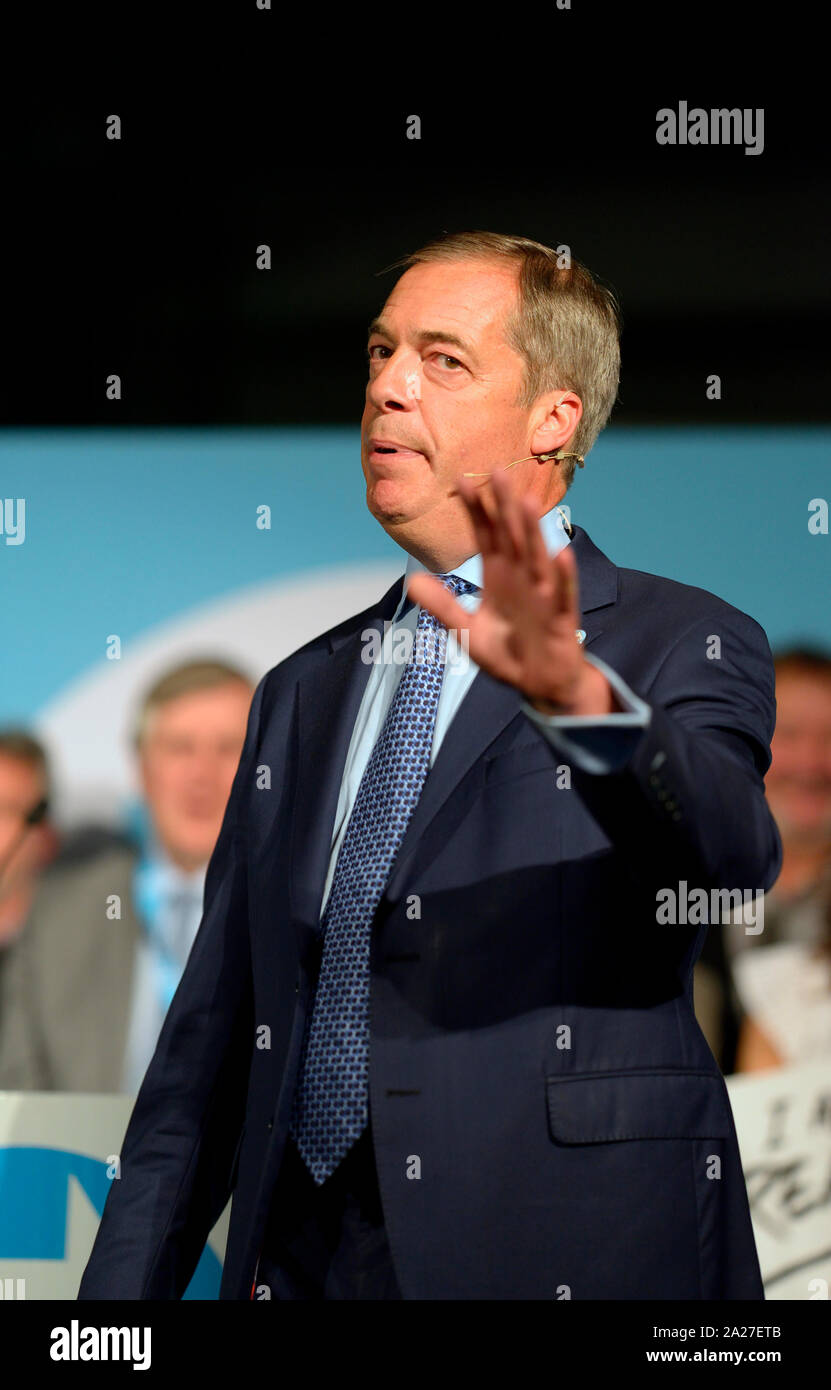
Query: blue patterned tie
{"points": [[331, 1102]]}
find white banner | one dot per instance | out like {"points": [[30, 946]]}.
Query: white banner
{"points": [[59, 1154], [783, 1120]]}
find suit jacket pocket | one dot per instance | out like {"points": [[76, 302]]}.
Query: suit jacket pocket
{"points": [[601, 1107], [538, 756]]}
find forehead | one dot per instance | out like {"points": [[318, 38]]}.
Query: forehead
{"points": [[212, 700], [16, 773], [470, 298], [804, 690]]}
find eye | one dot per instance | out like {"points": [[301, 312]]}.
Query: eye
{"points": [[381, 347]]}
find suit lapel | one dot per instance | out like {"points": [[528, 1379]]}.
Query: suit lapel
{"points": [[597, 581], [328, 702]]}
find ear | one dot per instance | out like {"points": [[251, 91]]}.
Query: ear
{"points": [[559, 414]]}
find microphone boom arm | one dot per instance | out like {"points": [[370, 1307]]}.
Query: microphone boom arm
{"points": [[541, 458]]}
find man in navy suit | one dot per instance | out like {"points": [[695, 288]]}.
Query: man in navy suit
{"points": [[434, 1032]]}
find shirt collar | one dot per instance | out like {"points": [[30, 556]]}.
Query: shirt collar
{"points": [[554, 535]]}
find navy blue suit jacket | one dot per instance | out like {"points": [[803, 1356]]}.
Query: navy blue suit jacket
{"points": [[533, 1041]]}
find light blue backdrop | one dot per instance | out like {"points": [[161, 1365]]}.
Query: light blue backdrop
{"points": [[127, 528]]}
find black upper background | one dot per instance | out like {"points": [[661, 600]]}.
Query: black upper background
{"points": [[138, 256]]}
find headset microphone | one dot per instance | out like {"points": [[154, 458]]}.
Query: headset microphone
{"points": [[541, 458]]}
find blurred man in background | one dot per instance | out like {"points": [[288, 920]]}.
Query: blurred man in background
{"points": [[87, 986], [783, 974], [798, 786], [28, 840]]}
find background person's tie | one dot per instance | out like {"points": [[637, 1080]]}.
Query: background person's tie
{"points": [[330, 1108]]}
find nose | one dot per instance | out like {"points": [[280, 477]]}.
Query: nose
{"points": [[395, 382]]}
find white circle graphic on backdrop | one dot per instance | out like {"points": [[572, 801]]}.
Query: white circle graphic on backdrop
{"points": [[86, 727]]}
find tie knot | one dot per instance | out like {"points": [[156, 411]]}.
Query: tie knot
{"points": [[456, 585]]}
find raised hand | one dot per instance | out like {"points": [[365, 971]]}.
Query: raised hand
{"points": [[524, 630]]}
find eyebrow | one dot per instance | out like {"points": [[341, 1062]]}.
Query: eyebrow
{"points": [[427, 335]]}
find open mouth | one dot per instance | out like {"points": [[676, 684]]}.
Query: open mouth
{"points": [[392, 451]]}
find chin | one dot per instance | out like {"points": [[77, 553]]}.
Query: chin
{"points": [[197, 853], [387, 504], [799, 823]]}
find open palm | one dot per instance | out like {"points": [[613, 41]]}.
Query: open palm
{"points": [[523, 631]]}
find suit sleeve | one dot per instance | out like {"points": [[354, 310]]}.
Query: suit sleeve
{"points": [[177, 1154], [597, 743], [678, 784]]}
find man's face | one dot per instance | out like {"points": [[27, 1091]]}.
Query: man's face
{"points": [[187, 762], [450, 404], [799, 778], [20, 790]]}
